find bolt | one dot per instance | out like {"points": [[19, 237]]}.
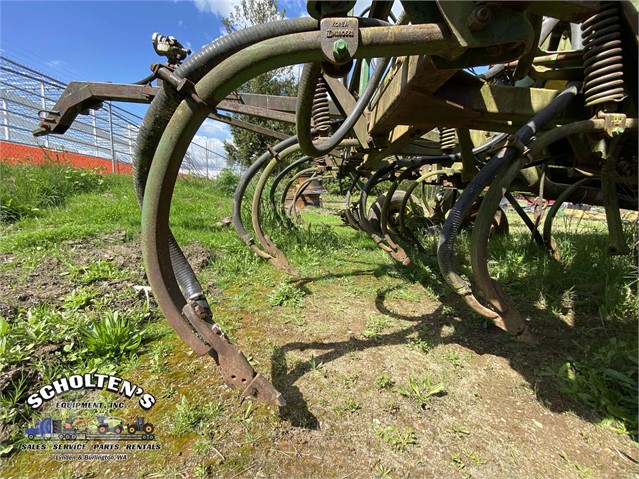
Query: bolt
{"points": [[340, 49], [480, 18]]}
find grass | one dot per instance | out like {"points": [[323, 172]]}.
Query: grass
{"points": [[27, 190], [421, 390], [348, 343]]}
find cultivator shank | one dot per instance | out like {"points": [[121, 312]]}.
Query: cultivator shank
{"points": [[397, 103]]}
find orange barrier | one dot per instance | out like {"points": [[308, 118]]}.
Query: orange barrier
{"points": [[16, 153]]}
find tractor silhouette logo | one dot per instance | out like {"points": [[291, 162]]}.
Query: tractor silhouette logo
{"points": [[79, 429]]}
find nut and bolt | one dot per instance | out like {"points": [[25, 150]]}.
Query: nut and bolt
{"points": [[480, 18], [340, 49]]}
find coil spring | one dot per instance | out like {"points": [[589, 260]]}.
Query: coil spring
{"points": [[447, 139], [603, 59], [321, 118]]}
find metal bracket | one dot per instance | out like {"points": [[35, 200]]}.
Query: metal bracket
{"points": [[339, 37], [236, 371]]}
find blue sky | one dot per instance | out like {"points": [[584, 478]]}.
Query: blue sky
{"points": [[111, 40]]}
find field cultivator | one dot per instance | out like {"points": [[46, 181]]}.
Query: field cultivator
{"points": [[393, 101]]}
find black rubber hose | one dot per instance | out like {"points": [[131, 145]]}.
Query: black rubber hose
{"points": [[485, 176], [166, 102], [304, 108], [194, 68]]}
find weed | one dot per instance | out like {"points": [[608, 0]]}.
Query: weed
{"points": [[375, 325], [398, 440], [79, 298], [202, 446], [350, 406], [383, 472], [201, 471], [422, 390], [112, 336], [456, 360], [286, 294], [607, 381], [29, 189], [584, 472], [246, 416], [391, 406], [187, 418], [457, 463], [96, 271], [420, 344], [384, 381], [226, 181], [459, 430]]}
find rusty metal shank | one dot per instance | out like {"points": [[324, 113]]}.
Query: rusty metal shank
{"points": [[184, 123], [511, 322]]}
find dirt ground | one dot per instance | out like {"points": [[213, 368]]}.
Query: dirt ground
{"points": [[340, 361]]}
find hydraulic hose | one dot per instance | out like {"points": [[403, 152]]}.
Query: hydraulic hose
{"points": [[303, 114], [485, 176], [166, 102]]}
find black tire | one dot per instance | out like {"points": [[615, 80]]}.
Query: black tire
{"points": [[148, 428], [67, 437], [74, 436], [102, 428], [118, 429], [151, 437], [144, 437], [30, 436], [131, 429]]}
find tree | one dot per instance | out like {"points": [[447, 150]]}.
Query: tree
{"points": [[247, 146]]}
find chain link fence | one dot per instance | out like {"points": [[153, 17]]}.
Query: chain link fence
{"points": [[103, 138]]}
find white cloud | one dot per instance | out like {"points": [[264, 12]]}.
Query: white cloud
{"points": [[198, 161], [215, 129], [221, 8]]}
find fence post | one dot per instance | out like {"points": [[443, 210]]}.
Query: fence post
{"points": [[113, 158], [44, 107], [5, 111], [95, 134], [207, 158]]}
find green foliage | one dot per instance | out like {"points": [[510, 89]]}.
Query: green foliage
{"points": [[375, 326], [112, 336], [28, 189], [286, 294], [397, 439], [188, 417], [226, 182], [247, 145], [606, 381], [421, 390], [384, 381]]}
